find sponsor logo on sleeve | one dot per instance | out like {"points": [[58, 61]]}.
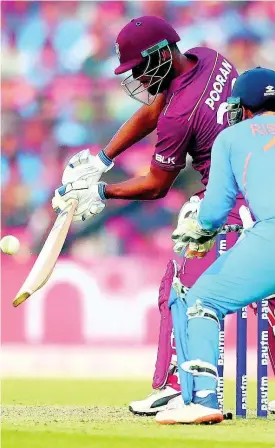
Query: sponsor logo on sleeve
{"points": [[166, 161]]}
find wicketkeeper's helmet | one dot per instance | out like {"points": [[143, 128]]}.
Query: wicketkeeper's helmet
{"points": [[254, 90]]}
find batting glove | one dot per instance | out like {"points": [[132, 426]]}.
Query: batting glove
{"points": [[89, 197], [85, 166]]}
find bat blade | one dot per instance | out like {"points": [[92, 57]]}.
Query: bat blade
{"points": [[46, 260]]}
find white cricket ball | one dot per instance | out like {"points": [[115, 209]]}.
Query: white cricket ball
{"points": [[9, 245]]}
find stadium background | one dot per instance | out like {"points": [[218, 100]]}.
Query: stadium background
{"points": [[98, 315]]}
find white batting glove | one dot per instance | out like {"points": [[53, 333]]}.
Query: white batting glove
{"points": [[85, 166], [89, 199]]}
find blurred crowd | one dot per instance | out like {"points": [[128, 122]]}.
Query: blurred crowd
{"points": [[60, 95]]}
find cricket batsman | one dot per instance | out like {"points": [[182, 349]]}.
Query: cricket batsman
{"points": [[243, 159], [184, 98]]}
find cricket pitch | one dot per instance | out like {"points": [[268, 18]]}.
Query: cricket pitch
{"points": [[83, 413]]}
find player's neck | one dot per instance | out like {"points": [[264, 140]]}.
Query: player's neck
{"points": [[182, 64]]}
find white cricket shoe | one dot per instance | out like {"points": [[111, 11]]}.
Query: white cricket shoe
{"points": [[155, 402], [271, 407], [188, 414]]}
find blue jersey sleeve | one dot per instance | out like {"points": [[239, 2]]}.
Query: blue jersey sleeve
{"points": [[222, 189]]}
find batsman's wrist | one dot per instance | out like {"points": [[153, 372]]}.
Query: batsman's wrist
{"points": [[101, 191], [104, 158]]}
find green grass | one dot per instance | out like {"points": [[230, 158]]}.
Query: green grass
{"points": [[80, 414]]}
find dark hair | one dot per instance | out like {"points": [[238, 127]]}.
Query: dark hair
{"points": [[268, 106]]}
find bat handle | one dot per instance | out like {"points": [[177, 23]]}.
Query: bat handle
{"points": [[20, 299]]}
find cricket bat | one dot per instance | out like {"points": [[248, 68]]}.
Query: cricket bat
{"points": [[46, 260]]}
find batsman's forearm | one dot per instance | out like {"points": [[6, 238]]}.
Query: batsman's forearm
{"points": [[142, 123], [134, 189]]}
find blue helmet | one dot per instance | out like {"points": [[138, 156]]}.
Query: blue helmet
{"points": [[252, 90]]}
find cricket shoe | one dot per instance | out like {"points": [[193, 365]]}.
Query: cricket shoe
{"points": [[202, 410], [155, 402], [159, 398], [271, 407]]}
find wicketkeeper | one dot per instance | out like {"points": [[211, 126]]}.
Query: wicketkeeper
{"points": [[243, 159]]}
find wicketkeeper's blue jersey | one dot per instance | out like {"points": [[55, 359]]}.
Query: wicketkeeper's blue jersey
{"points": [[243, 160]]}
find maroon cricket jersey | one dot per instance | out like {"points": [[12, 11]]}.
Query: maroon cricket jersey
{"points": [[195, 112]]}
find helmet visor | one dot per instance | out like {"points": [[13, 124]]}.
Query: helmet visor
{"points": [[146, 79]]}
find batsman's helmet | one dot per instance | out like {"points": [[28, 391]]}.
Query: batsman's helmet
{"points": [[138, 43], [254, 90]]}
